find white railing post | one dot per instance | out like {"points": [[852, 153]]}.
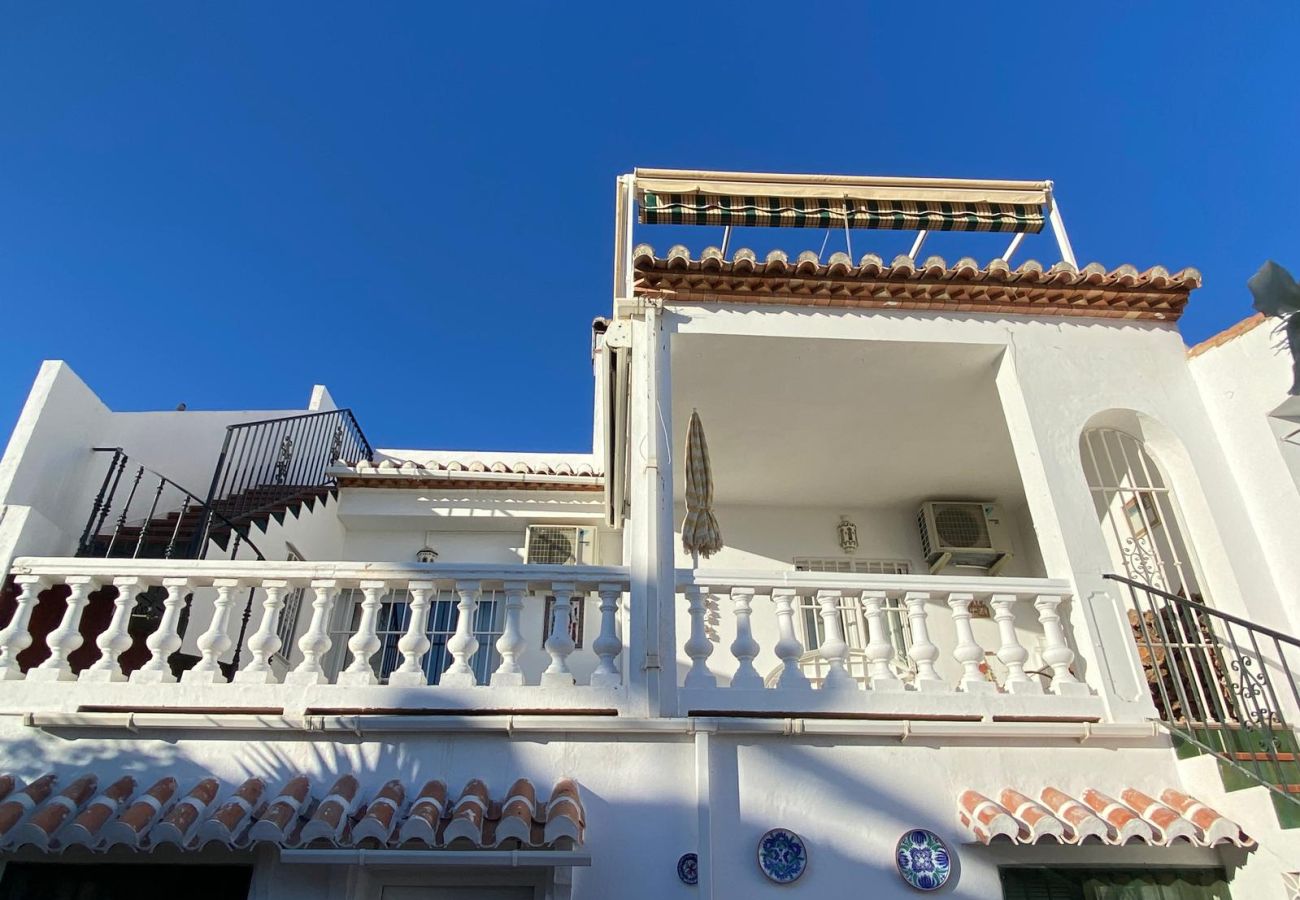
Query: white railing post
{"points": [[315, 641], [787, 648], [1056, 652], [17, 636], [1011, 652], [834, 649], [115, 639], [608, 645], [968, 653], [214, 642], [415, 643], [65, 639], [463, 645], [266, 640], [879, 651], [511, 644], [922, 651], [365, 643], [560, 642], [698, 646], [744, 648], [166, 638]]}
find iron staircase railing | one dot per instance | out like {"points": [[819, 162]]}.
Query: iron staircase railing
{"points": [[1221, 683]]}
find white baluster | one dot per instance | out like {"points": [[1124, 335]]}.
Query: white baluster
{"points": [[1056, 652], [315, 642], [968, 653], [922, 651], [1012, 654], [166, 638], [266, 640], [834, 649], [65, 639], [214, 642], [115, 639], [608, 645], [17, 636], [463, 644], [560, 642], [744, 648], [698, 646], [511, 644], [788, 649], [879, 650], [365, 643], [415, 642]]}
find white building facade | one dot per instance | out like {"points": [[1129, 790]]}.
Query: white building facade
{"points": [[1006, 569]]}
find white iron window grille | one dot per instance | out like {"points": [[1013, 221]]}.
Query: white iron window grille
{"points": [[852, 564], [853, 625], [287, 628], [393, 620]]}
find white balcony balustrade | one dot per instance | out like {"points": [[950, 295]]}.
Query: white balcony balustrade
{"points": [[799, 642], [361, 635]]}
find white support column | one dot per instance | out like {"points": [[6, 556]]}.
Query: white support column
{"points": [[788, 649], [1011, 652], [17, 636], [266, 640], [415, 643], [65, 639], [922, 651], [166, 638], [115, 639], [968, 653], [744, 648], [214, 642], [560, 642], [463, 644], [880, 652], [1057, 652], [698, 646], [315, 641], [834, 649], [607, 645], [511, 644], [365, 643]]}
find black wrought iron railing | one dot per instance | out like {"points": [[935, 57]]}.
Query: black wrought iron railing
{"points": [[142, 513], [1221, 683], [264, 465]]}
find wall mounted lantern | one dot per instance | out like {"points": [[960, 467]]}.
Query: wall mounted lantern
{"points": [[426, 554], [848, 535]]}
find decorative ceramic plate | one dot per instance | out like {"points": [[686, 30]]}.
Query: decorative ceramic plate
{"points": [[688, 868], [782, 856], [923, 860]]}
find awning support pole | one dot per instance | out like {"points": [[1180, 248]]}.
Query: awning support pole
{"points": [[916, 245], [726, 240], [1015, 245], [1058, 228]]}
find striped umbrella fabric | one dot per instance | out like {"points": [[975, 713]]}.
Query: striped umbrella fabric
{"points": [[700, 533]]}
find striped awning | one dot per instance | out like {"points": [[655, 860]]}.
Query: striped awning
{"points": [[669, 197]]}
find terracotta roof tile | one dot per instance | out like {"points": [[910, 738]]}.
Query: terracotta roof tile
{"points": [[1227, 334], [477, 474], [303, 814], [1096, 816]]}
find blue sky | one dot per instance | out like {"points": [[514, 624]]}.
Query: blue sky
{"points": [[222, 204]]}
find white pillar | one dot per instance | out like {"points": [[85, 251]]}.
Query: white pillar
{"points": [[115, 639], [415, 643], [1056, 652], [511, 644], [17, 636], [607, 645], [879, 650], [365, 643], [834, 649], [266, 640], [214, 642], [922, 651], [65, 639], [788, 649], [968, 653], [463, 644], [315, 641], [559, 644], [1011, 652], [744, 648], [166, 638], [698, 646]]}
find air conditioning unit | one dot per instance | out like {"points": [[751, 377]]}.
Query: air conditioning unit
{"points": [[560, 545], [963, 533]]}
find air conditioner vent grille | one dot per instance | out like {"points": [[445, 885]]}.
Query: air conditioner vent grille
{"points": [[961, 525], [552, 546]]}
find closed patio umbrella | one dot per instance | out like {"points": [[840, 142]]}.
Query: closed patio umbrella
{"points": [[700, 533]]}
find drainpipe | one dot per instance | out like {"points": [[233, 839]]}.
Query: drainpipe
{"points": [[703, 807]]}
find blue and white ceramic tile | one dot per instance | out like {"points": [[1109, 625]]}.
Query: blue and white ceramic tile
{"points": [[782, 856], [688, 868], [923, 860]]}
